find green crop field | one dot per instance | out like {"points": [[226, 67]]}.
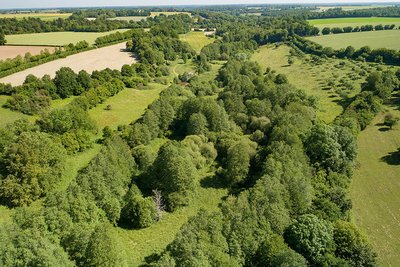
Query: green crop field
{"points": [[374, 39], [43, 16], [375, 189], [197, 40], [353, 22], [55, 38]]}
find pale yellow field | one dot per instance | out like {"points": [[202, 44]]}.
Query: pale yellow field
{"points": [[112, 57], [14, 51]]}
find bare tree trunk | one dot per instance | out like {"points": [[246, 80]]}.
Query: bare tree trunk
{"points": [[159, 201]]}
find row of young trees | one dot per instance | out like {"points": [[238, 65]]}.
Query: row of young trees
{"points": [[35, 95], [109, 13], [12, 65], [363, 28], [35, 25]]}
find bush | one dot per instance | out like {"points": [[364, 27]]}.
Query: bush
{"points": [[390, 120], [138, 212]]}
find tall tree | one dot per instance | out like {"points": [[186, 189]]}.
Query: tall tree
{"points": [[33, 165], [3, 40]]}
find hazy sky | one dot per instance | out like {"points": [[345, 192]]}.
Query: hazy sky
{"points": [[76, 3]]}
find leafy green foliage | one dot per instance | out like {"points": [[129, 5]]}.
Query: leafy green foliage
{"points": [[333, 149], [352, 245], [381, 84], [238, 162], [33, 165], [138, 212], [174, 173], [103, 248], [66, 82], [3, 40], [311, 237], [201, 243]]}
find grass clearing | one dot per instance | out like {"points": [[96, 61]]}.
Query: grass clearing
{"points": [[197, 40], [42, 16], [359, 39], [8, 116], [376, 186], [56, 38], [144, 242], [127, 106]]}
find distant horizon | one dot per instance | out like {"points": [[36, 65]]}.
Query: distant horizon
{"points": [[48, 4]]}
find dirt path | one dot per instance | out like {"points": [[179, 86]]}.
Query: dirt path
{"points": [[112, 57]]}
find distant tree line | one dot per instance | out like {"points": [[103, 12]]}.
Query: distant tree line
{"points": [[393, 11], [109, 13], [380, 55], [161, 43]]}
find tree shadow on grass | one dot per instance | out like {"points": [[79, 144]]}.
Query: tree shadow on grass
{"points": [[384, 129], [393, 158], [213, 181], [344, 102]]}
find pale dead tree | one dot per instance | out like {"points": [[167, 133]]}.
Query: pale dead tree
{"points": [[159, 201]]}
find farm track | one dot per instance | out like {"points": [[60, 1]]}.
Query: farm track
{"points": [[113, 57]]}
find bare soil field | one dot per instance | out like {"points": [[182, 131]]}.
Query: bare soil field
{"points": [[113, 57], [14, 51]]}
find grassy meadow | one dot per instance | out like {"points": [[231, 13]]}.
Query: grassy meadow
{"points": [[8, 116], [327, 81], [55, 38], [197, 40], [127, 106], [42, 16], [376, 186], [360, 39]]}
